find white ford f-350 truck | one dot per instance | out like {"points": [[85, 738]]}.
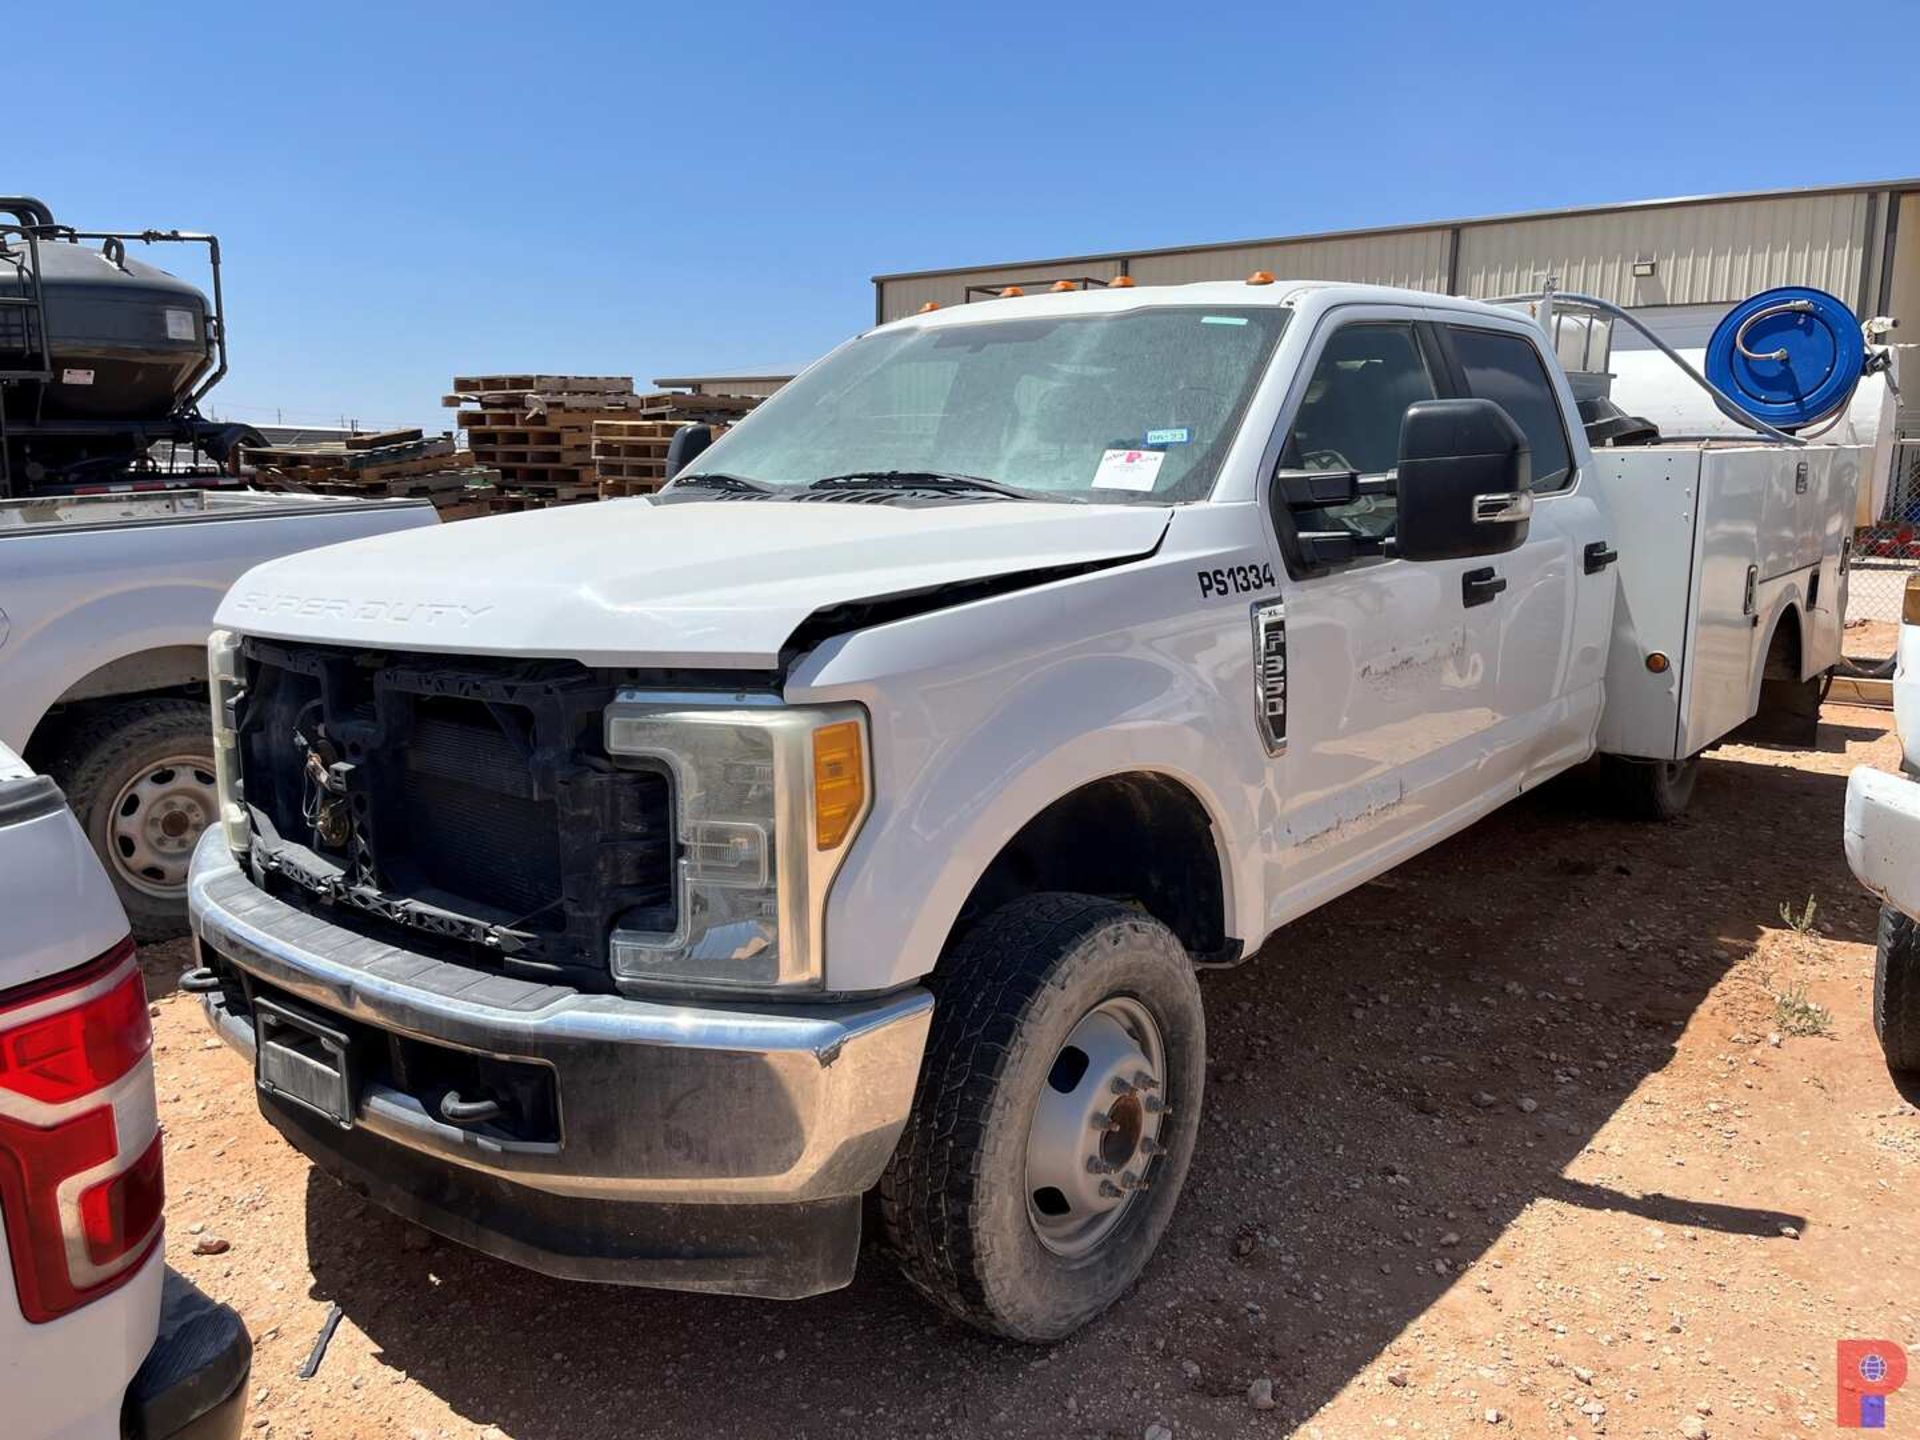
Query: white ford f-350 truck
{"points": [[627, 890]]}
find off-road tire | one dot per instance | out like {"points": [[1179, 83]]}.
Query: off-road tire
{"points": [[1896, 991], [953, 1200], [1658, 790], [99, 756]]}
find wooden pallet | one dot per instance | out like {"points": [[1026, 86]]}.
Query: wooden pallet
{"points": [[545, 384], [443, 486], [652, 471], [335, 455], [635, 429], [380, 439]]}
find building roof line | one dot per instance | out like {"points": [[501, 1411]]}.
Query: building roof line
{"points": [[1409, 228]]}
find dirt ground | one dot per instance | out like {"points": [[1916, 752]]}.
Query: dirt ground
{"points": [[1517, 1140]]}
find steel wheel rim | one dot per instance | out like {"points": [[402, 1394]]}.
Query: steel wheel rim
{"points": [[155, 821], [1093, 1143]]}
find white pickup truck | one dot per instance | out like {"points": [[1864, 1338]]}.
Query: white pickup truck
{"points": [[99, 1339], [626, 890], [1883, 847], [105, 605]]}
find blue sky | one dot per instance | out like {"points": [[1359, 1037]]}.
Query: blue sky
{"points": [[405, 192]]}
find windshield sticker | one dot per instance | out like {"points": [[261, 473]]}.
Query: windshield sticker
{"points": [[1223, 319], [1176, 435], [1127, 469]]}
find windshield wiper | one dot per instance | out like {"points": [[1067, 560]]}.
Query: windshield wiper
{"points": [[715, 480], [927, 480]]}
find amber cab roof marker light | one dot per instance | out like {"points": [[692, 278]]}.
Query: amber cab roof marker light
{"points": [[1260, 277], [1011, 291], [929, 307], [1122, 282]]}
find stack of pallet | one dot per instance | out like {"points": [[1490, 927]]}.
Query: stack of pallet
{"points": [[389, 462], [631, 455], [537, 430], [556, 439]]}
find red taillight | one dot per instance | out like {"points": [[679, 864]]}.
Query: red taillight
{"points": [[81, 1186], [74, 1052], [118, 1214]]}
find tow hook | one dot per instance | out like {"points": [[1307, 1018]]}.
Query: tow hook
{"points": [[456, 1111], [202, 981]]}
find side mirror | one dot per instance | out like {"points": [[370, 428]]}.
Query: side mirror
{"points": [[686, 446], [1464, 477]]}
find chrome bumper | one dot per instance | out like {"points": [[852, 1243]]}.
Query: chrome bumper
{"points": [[678, 1104], [1883, 836]]}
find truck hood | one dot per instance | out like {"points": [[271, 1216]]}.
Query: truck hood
{"points": [[703, 584]]}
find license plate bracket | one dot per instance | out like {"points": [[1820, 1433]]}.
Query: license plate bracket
{"points": [[304, 1059]]}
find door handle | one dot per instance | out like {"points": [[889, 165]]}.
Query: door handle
{"points": [[1599, 555], [1478, 587]]}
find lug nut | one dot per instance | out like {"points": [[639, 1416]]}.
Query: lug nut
{"points": [[1103, 1122], [1097, 1166], [1109, 1190], [1154, 1105], [1145, 1081], [1131, 1181], [1151, 1147], [1122, 1087]]}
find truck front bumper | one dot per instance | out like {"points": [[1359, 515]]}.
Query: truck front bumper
{"points": [[693, 1146], [1883, 836]]}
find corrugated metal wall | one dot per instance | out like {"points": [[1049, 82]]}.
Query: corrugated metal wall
{"points": [[1414, 258], [1722, 251], [1703, 252], [906, 296]]}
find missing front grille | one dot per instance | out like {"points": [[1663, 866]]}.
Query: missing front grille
{"points": [[477, 810]]}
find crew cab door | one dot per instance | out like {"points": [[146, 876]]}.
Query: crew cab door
{"points": [[1407, 687], [1547, 630]]}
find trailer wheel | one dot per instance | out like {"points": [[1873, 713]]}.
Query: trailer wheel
{"points": [[1056, 1115], [1652, 789], [139, 775], [1896, 991]]}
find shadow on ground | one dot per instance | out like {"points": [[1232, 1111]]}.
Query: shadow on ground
{"points": [[1365, 1099]]}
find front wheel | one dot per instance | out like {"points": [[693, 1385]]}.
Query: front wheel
{"points": [[1056, 1116], [139, 775]]}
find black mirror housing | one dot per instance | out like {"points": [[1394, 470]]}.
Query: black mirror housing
{"points": [[1463, 481], [686, 446]]}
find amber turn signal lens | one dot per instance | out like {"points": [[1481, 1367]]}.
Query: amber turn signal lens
{"points": [[1260, 277], [839, 782], [1658, 663]]}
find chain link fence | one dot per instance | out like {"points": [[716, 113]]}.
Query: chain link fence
{"points": [[1885, 553]]}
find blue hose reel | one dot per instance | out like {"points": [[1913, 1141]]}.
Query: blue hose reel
{"points": [[1790, 357]]}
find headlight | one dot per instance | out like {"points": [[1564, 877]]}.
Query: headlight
{"points": [[223, 686], [767, 799]]}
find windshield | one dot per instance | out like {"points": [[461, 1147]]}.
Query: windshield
{"points": [[1139, 405]]}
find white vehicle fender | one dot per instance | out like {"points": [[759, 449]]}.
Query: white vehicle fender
{"points": [[1788, 593], [43, 662], [987, 713]]}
